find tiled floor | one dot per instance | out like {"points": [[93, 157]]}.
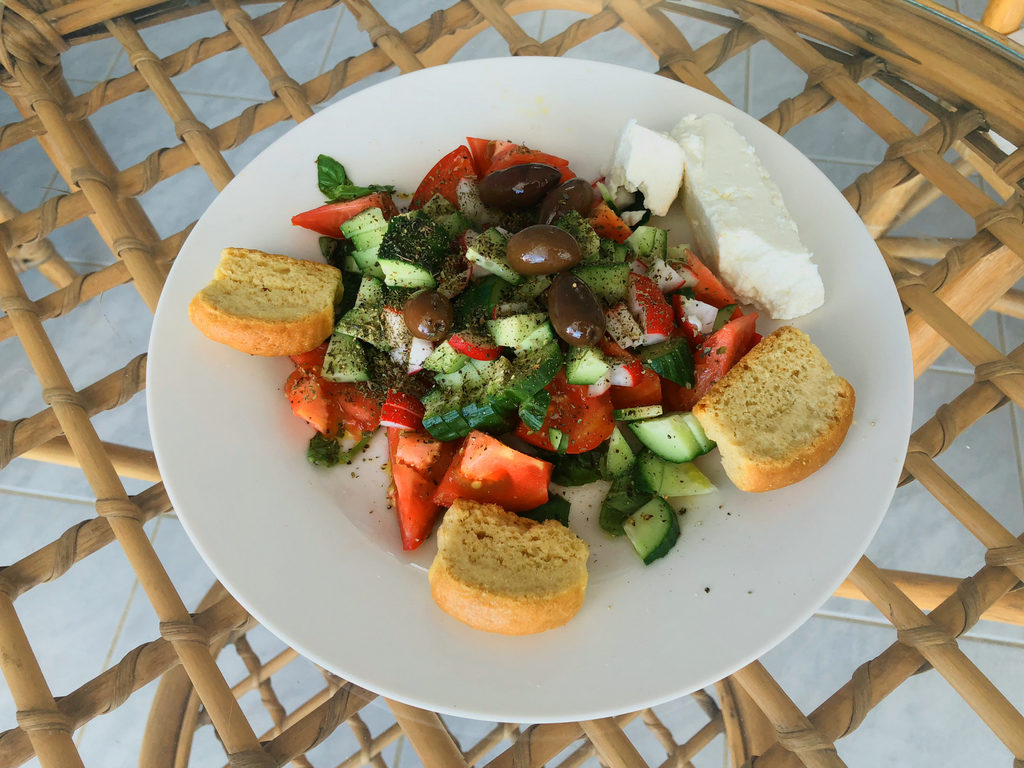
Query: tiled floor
{"points": [[87, 620]]}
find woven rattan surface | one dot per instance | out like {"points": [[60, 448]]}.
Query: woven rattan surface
{"points": [[943, 101]]}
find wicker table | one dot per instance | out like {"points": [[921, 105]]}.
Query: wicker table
{"points": [[873, 59]]}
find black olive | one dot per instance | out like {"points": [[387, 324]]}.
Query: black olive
{"points": [[574, 195], [542, 250], [428, 315], [519, 186], [575, 312]]}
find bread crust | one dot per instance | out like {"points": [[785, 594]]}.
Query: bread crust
{"points": [[501, 603], [766, 474], [503, 614], [267, 337], [761, 476], [260, 337]]}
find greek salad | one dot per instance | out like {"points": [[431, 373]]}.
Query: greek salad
{"points": [[516, 327]]}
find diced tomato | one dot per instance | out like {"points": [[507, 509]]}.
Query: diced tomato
{"points": [[709, 288], [483, 150], [517, 154], [714, 357], [312, 360], [486, 470], [677, 398], [722, 350], [417, 463], [312, 401], [414, 504], [647, 392], [424, 453], [358, 410], [587, 420], [327, 219], [755, 337], [608, 224], [444, 178], [473, 349]]}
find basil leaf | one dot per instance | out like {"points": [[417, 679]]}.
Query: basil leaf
{"points": [[330, 174], [577, 468], [555, 508], [623, 499], [326, 451], [334, 182]]}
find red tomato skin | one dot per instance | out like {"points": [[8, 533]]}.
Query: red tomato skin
{"points": [[486, 470], [715, 356], [358, 410], [607, 224], [327, 219], [587, 420], [414, 505], [647, 392], [444, 178], [709, 288], [312, 360], [312, 402]]}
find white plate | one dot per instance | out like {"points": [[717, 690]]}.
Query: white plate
{"points": [[315, 555]]}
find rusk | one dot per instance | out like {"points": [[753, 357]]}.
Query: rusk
{"points": [[267, 304], [498, 572], [779, 414]]}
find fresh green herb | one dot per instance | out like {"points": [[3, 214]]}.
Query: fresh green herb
{"points": [[349, 290], [417, 239], [335, 251], [555, 508], [327, 451], [535, 410], [623, 499], [336, 185], [578, 468]]}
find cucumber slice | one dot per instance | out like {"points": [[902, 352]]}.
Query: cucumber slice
{"points": [[531, 287], [621, 501], [535, 410], [541, 336], [667, 479], [534, 370], [636, 413], [670, 359], [648, 242], [402, 274], [585, 365], [478, 300], [608, 281], [723, 317], [619, 458], [513, 330], [706, 443], [488, 250], [670, 437], [345, 360], [365, 229], [445, 359], [559, 439], [652, 530]]}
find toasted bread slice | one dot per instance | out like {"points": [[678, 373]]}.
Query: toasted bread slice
{"points": [[502, 573], [779, 414], [267, 304]]}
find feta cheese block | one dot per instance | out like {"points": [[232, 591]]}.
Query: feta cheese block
{"points": [[650, 162], [740, 222]]}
